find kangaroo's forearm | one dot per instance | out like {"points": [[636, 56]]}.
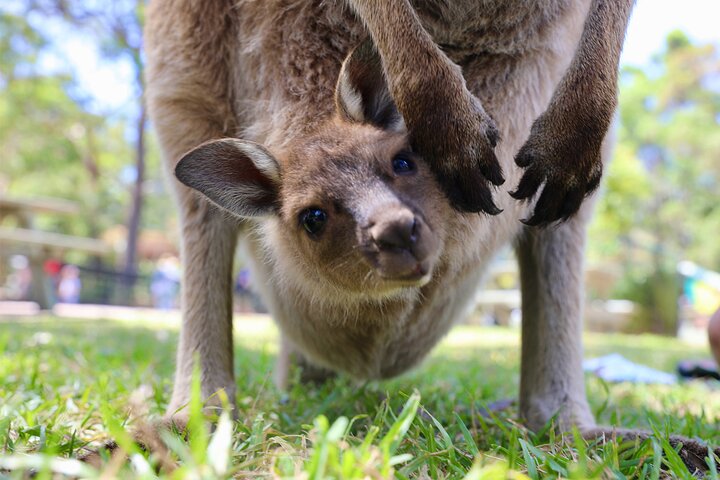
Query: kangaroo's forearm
{"points": [[604, 33], [398, 34], [414, 66], [592, 75]]}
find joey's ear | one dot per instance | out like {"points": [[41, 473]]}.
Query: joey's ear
{"points": [[240, 176], [362, 94]]}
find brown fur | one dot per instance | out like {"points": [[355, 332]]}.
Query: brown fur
{"points": [[265, 71]]}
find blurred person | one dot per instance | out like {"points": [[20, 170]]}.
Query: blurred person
{"points": [[701, 289], [165, 282], [52, 268], [243, 292], [705, 368], [69, 286], [714, 335], [20, 280]]}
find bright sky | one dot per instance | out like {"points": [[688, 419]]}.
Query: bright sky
{"points": [[652, 20], [110, 84]]}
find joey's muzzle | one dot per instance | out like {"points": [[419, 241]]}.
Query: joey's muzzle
{"points": [[399, 244]]}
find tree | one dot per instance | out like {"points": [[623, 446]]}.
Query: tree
{"points": [[118, 27], [39, 122], [59, 141], [662, 196]]}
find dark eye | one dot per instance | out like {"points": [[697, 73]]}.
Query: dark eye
{"points": [[402, 164], [313, 220]]}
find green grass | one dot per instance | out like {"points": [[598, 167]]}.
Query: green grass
{"points": [[68, 385]]}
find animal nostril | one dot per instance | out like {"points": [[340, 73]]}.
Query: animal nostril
{"points": [[398, 233], [414, 231]]}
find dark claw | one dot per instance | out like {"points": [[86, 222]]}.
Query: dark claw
{"points": [[593, 184], [546, 208], [489, 207], [469, 193], [524, 158], [493, 173], [476, 183], [533, 221], [493, 136], [529, 184], [571, 204]]}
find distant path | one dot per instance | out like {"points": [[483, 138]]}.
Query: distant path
{"points": [[11, 311]]}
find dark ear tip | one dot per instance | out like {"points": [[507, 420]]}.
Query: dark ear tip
{"points": [[186, 168], [193, 159], [493, 210], [181, 169]]}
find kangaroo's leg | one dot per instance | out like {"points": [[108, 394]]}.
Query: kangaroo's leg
{"points": [[188, 88], [208, 246], [563, 150], [551, 375], [447, 124]]}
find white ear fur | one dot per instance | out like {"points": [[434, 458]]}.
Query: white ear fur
{"points": [[361, 92], [350, 99], [260, 156], [239, 176]]}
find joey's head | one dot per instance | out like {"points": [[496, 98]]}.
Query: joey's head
{"points": [[349, 208]]}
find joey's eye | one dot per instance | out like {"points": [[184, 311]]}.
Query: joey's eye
{"points": [[403, 164], [313, 220]]}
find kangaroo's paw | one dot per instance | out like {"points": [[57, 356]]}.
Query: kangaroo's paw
{"points": [[450, 128], [563, 153]]}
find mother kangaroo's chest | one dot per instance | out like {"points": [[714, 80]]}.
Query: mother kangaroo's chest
{"points": [[300, 35], [489, 26]]}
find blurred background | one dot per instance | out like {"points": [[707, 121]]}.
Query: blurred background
{"points": [[86, 218]]}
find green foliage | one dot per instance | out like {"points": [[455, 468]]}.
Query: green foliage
{"points": [[54, 147], [19, 45], [662, 191], [66, 386], [656, 295]]}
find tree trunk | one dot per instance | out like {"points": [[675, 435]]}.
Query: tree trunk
{"points": [[133, 223]]}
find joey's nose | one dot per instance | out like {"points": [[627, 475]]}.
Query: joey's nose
{"points": [[395, 230], [399, 245]]}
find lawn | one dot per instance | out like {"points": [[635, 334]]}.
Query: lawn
{"points": [[69, 385]]}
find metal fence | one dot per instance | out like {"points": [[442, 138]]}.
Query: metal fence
{"points": [[111, 287]]}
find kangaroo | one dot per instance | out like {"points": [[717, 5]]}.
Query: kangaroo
{"points": [[356, 174]]}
